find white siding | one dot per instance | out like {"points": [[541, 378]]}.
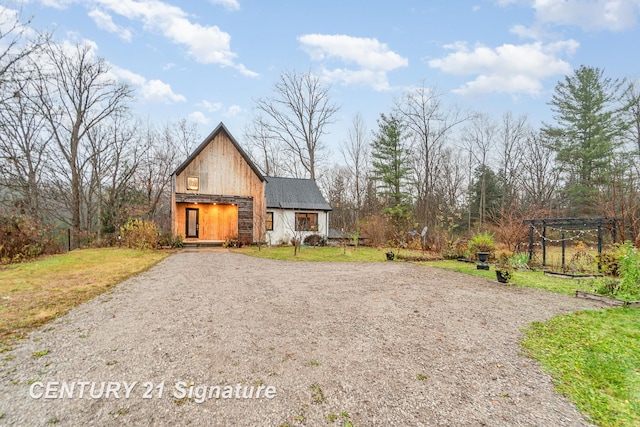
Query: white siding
{"points": [[284, 225]]}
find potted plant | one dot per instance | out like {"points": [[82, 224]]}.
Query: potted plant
{"points": [[482, 244], [390, 256], [504, 269]]}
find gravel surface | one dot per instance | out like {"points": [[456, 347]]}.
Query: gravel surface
{"points": [[384, 344]]}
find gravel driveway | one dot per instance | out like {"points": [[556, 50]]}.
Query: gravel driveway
{"points": [[380, 344]]}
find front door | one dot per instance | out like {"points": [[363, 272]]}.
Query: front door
{"points": [[193, 227]]}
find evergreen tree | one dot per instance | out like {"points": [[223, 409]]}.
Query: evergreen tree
{"points": [[588, 109], [390, 168], [389, 160]]}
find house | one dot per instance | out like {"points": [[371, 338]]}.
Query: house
{"points": [[295, 209], [218, 193]]}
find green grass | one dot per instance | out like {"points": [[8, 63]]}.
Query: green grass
{"points": [[36, 292], [594, 358], [533, 279], [285, 253]]}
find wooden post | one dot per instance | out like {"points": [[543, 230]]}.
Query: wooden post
{"points": [[563, 249], [69, 239], [530, 240], [600, 238], [544, 244]]}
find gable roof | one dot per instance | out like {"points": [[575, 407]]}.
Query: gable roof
{"points": [[220, 128], [294, 193]]}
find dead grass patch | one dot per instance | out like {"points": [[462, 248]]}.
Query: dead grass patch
{"points": [[36, 292]]}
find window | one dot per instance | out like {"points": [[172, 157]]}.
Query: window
{"points": [[306, 221], [269, 221], [193, 183]]}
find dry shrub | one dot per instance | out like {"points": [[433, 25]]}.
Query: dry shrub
{"points": [[377, 228], [139, 234], [22, 238], [510, 229]]}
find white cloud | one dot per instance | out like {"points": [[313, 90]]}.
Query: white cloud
{"points": [[57, 4], [206, 44], [227, 4], [199, 118], [233, 111], [105, 22], [372, 58], [508, 68], [210, 107], [614, 15], [156, 91], [152, 91]]}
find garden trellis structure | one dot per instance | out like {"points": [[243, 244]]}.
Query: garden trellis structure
{"points": [[565, 225]]}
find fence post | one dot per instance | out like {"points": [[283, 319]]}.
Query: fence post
{"points": [[69, 238]]}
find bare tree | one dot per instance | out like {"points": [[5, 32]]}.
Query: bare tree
{"points": [[632, 98], [355, 152], [513, 134], [430, 123], [297, 116], [184, 135], [263, 149], [74, 95], [161, 153], [24, 151], [116, 153], [540, 178], [17, 42], [480, 139]]}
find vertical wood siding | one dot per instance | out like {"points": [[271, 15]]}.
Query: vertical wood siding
{"points": [[223, 171]]}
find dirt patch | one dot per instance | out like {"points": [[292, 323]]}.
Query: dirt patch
{"points": [[380, 343]]}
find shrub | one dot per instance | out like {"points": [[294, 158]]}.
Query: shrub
{"points": [[609, 261], [481, 242], [519, 260], [314, 240], [377, 228], [139, 234], [22, 238], [232, 242], [581, 261], [630, 270], [167, 239]]}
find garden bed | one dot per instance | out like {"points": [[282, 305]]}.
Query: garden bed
{"points": [[608, 300], [572, 276]]}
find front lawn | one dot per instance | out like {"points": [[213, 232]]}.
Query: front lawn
{"points": [[325, 253], [533, 279], [33, 293], [594, 359]]}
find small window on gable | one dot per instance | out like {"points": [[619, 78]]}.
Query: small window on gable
{"points": [[269, 221], [193, 183]]}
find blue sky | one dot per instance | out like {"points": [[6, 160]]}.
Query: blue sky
{"points": [[208, 60]]}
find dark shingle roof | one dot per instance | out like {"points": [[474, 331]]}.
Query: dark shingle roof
{"points": [[294, 193]]}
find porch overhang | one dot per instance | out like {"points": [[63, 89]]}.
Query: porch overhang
{"points": [[211, 198], [245, 209]]}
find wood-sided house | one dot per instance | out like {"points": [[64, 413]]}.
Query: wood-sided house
{"points": [[218, 193]]}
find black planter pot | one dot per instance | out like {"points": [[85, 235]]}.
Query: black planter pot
{"points": [[390, 256], [503, 276], [482, 258]]}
